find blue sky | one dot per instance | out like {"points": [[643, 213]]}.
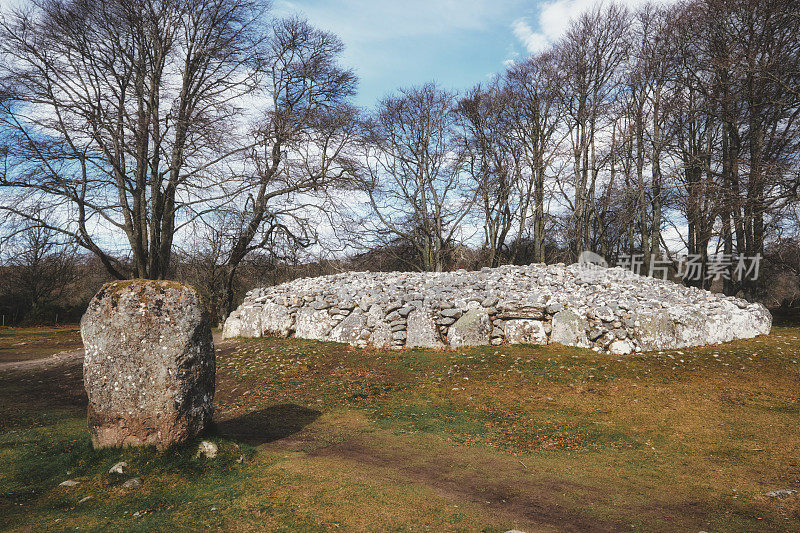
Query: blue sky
{"points": [[457, 43]]}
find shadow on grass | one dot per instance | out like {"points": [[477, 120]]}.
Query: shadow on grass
{"points": [[267, 425]]}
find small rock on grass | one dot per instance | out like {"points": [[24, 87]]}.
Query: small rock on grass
{"points": [[207, 449], [69, 483], [780, 493], [132, 483], [118, 468]]}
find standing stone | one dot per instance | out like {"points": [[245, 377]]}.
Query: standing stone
{"points": [[352, 329], [525, 331], [149, 364], [691, 327], [422, 331], [736, 320], [569, 329], [381, 335], [250, 324], [472, 329], [655, 330], [233, 326]]}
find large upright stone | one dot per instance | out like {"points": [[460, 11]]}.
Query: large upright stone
{"points": [[422, 331], [691, 327], [250, 323], [472, 329], [353, 329], [314, 324], [276, 321], [655, 330], [232, 326], [149, 364], [381, 336], [569, 329]]}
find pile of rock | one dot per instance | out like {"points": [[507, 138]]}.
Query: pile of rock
{"points": [[604, 309]]}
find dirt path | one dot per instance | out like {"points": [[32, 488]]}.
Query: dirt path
{"points": [[503, 488], [65, 357], [57, 359]]}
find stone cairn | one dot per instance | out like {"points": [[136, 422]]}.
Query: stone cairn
{"points": [[608, 310], [149, 364]]}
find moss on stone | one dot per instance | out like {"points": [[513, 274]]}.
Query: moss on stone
{"points": [[139, 287], [115, 287]]}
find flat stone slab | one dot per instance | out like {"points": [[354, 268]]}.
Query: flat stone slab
{"points": [[569, 328], [605, 309], [422, 331], [525, 331]]}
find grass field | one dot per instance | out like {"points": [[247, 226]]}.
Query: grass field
{"points": [[20, 344], [324, 437]]}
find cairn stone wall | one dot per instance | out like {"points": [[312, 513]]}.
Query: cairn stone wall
{"points": [[608, 310]]}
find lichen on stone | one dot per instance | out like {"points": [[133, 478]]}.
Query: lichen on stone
{"points": [[148, 364]]}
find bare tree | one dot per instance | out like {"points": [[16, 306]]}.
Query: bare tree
{"points": [[39, 267], [754, 52], [695, 133], [413, 176], [644, 108], [511, 146], [120, 114], [302, 151], [589, 57], [491, 152], [536, 118]]}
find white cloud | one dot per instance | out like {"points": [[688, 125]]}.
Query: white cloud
{"points": [[532, 40], [554, 17]]}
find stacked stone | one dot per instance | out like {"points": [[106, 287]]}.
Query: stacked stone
{"points": [[603, 309]]}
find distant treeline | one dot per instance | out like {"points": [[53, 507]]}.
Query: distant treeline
{"points": [[54, 287]]}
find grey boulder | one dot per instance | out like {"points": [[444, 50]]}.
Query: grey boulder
{"points": [[149, 366], [472, 329], [276, 321], [569, 329], [524, 331], [421, 330]]}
